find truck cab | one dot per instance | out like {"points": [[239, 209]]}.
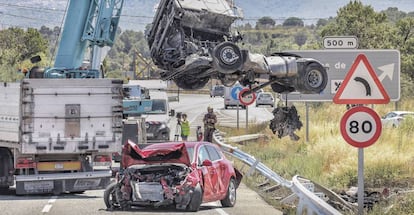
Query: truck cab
{"points": [[148, 99]]}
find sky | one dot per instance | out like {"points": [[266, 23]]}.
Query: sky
{"points": [[138, 13]]}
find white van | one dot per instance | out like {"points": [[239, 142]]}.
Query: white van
{"points": [[228, 98]]}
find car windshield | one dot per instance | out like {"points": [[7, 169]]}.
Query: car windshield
{"points": [[158, 107], [132, 91], [265, 95]]}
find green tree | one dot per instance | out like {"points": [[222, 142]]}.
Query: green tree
{"points": [[321, 22], [405, 43], [265, 22], [393, 14], [300, 38], [355, 19], [16, 46], [128, 44], [293, 22]]}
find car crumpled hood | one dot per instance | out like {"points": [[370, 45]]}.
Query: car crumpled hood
{"points": [[154, 154]]}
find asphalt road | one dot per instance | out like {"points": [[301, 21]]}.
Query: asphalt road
{"points": [[91, 202], [195, 106]]}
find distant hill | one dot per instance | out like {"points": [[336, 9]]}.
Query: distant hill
{"points": [[138, 13]]}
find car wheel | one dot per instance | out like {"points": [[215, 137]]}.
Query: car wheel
{"points": [[312, 79], [110, 196], [196, 199], [225, 107], [230, 199]]}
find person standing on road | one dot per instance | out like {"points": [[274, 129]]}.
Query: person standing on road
{"points": [[185, 127], [209, 121]]}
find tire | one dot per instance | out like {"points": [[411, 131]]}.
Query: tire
{"points": [[196, 199], [312, 79], [4, 190], [110, 199], [227, 58], [230, 199]]}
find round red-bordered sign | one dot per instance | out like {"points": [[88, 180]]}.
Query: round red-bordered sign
{"points": [[246, 100], [361, 126]]}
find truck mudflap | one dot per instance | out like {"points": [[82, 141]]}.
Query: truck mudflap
{"points": [[57, 183]]}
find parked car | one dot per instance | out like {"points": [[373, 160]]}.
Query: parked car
{"points": [[217, 90], [180, 174], [265, 99], [394, 118]]}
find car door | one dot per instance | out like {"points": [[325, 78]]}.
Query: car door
{"points": [[209, 175], [220, 168]]}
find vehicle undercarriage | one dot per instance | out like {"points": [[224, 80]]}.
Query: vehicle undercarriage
{"points": [[192, 42]]}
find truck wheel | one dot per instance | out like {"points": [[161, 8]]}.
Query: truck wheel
{"points": [[230, 199], [312, 79], [227, 58], [196, 199]]}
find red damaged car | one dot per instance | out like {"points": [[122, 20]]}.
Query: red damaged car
{"points": [[180, 174]]}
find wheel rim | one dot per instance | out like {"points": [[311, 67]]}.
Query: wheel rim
{"points": [[228, 55], [232, 192], [315, 78]]}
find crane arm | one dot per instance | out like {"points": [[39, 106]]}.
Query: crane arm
{"points": [[88, 23]]}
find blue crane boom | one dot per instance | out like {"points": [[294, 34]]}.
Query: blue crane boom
{"points": [[90, 23]]}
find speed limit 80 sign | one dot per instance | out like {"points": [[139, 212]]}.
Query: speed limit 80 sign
{"points": [[361, 126]]}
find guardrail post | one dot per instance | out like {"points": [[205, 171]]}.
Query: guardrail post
{"points": [[253, 167]]}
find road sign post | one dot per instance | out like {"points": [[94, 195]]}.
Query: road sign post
{"points": [[235, 91], [246, 101], [361, 127]]}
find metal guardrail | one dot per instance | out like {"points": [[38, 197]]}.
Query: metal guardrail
{"points": [[303, 189]]}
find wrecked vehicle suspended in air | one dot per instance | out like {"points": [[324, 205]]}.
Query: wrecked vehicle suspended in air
{"points": [[178, 174], [191, 41]]}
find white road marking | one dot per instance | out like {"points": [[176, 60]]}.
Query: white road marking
{"points": [[218, 210], [49, 204]]}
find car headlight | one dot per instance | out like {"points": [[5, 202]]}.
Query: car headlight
{"points": [[162, 126]]}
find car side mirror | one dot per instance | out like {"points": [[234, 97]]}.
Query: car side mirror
{"points": [[207, 163]]}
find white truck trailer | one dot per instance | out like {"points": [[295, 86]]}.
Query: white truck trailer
{"points": [[58, 135]]}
